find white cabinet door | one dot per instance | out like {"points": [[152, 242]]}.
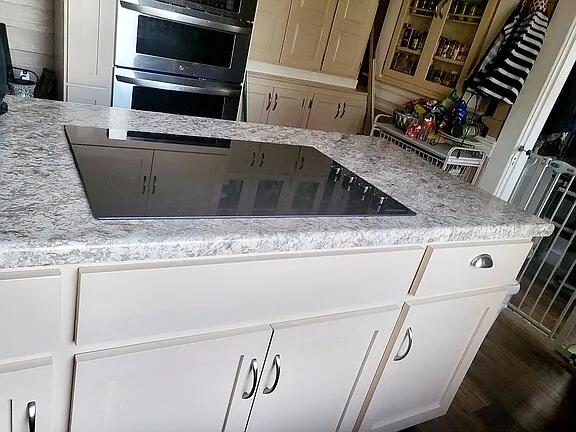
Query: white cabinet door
{"points": [[288, 106], [258, 102], [26, 391], [348, 37], [429, 359], [307, 33], [326, 108], [313, 369], [352, 115], [89, 95], [196, 384], [91, 28], [269, 29], [185, 183]]}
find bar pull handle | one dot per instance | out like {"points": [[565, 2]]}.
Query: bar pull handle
{"points": [[410, 337], [301, 163], [268, 390], [275, 102], [269, 101], [261, 161], [144, 184], [338, 112], [253, 159], [343, 110], [483, 261], [254, 373], [303, 102], [154, 186], [31, 414], [310, 104]]}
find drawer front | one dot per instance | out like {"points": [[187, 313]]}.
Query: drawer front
{"points": [[213, 294], [450, 269], [29, 312]]}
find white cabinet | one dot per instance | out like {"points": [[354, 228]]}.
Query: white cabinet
{"points": [[26, 396], [269, 29], [90, 33], [258, 102], [335, 111], [313, 368], [29, 312], [205, 383], [428, 360]]}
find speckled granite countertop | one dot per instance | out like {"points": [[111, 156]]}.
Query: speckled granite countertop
{"points": [[45, 218]]}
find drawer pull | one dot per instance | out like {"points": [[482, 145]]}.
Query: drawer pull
{"points": [[269, 390], [254, 373], [483, 261], [31, 413], [410, 337]]}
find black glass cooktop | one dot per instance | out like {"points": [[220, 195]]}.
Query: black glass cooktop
{"points": [[147, 175]]}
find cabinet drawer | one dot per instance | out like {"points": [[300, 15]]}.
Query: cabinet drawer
{"points": [[218, 294], [29, 312], [23, 386], [450, 269]]}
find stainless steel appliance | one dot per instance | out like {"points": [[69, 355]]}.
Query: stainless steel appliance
{"points": [[149, 175], [190, 51]]}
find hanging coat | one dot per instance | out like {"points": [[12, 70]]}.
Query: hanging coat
{"points": [[506, 65]]}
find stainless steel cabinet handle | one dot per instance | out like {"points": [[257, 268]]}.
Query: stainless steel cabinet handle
{"points": [[253, 159], [343, 110], [31, 414], [275, 102], [254, 372], [261, 161], [410, 337], [483, 261], [144, 184], [269, 101], [338, 112], [154, 186], [268, 390], [303, 102]]}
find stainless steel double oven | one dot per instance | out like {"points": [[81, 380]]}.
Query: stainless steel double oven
{"points": [[182, 56]]}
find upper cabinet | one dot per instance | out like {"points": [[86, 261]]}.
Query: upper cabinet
{"points": [[316, 35], [431, 46], [89, 32], [349, 37], [269, 28]]}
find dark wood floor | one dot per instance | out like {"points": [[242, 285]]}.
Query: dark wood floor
{"points": [[513, 385]]}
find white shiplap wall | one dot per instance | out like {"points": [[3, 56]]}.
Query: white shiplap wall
{"points": [[30, 25]]}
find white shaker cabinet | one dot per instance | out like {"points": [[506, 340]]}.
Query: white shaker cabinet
{"points": [[26, 396], [269, 29], [313, 369], [206, 383], [429, 358]]}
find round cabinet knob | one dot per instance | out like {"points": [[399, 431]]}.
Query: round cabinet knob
{"points": [[483, 261]]}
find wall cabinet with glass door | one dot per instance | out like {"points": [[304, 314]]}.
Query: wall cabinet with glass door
{"points": [[435, 44]]}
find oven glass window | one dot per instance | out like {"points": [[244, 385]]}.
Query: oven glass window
{"points": [[183, 42], [174, 102]]}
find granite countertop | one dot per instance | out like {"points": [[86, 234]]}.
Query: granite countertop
{"points": [[45, 218]]}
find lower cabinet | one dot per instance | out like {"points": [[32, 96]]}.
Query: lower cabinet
{"points": [[200, 384], [434, 348], [26, 396], [336, 112], [89, 95], [313, 368]]}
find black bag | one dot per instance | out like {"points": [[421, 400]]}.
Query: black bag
{"points": [[46, 85]]}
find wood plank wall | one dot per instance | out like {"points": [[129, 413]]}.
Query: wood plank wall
{"points": [[30, 27]]}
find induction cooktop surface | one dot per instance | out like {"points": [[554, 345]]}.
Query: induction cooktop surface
{"points": [[128, 175]]}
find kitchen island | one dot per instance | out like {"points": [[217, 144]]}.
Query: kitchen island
{"points": [[259, 324]]}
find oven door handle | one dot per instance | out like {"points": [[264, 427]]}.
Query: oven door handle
{"points": [[163, 12], [187, 88]]}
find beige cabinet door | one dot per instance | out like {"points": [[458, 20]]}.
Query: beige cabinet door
{"points": [[269, 29], [258, 101], [307, 33], [348, 37], [326, 109], [288, 106], [91, 28], [90, 95], [352, 115]]}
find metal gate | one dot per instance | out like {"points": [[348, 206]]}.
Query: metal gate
{"points": [[547, 297]]}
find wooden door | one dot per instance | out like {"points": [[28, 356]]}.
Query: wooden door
{"points": [[428, 360], [116, 179], [307, 33], [193, 384], [185, 183], [91, 32], [351, 119], [348, 37], [89, 95], [313, 370], [258, 101], [288, 106], [326, 108], [26, 386], [269, 29]]}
